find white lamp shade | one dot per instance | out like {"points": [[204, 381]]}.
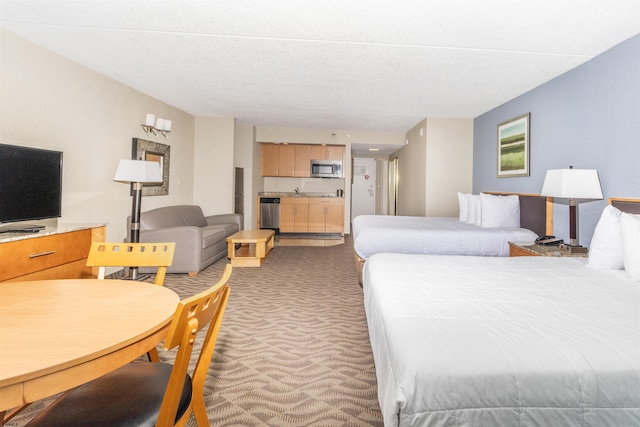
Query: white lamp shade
{"points": [[572, 184], [138, 171]]}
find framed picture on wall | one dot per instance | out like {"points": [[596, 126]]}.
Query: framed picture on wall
{"points": [[153, 152], [513, 147]]}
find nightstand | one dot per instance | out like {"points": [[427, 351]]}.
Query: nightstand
{"points": [[529, 249]]}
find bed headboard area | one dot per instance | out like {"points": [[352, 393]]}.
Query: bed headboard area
{"points": [[627, 205], [536, 212]]}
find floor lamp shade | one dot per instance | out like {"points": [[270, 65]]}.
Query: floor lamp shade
{"points": [[137, 172], [575, 185]]}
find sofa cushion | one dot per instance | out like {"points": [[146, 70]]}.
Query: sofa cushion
{"points": [[192, 215], [161, 218], [211, 235], [228, 229]]}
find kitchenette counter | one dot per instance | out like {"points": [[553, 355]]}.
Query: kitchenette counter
{"points": [[293, 194]]}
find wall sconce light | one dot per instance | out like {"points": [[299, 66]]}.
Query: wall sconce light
{"points": [[151, 125]]}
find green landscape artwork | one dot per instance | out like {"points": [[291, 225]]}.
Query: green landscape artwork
{"points": [[513, 147]]}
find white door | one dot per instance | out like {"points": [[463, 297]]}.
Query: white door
{"points": [[363, 187]]}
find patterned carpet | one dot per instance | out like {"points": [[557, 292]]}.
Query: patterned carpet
{"points": [[294, 348]]}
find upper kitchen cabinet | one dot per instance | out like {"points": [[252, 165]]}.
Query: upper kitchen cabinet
{"points": [[327, 152], [287, 160], [269, 159], [294, 160], [302, 161]]}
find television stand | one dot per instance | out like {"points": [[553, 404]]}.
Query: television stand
{"points": [[27, 228]]}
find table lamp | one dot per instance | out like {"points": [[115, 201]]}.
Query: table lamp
{"points": [[576, 185], [137, 172]]}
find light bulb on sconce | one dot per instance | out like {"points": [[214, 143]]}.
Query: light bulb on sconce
{"points": [[155, 126]]}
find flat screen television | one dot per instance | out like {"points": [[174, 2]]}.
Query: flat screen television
{"points": [[30, 183]]}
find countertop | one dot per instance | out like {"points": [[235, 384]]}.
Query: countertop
{"points": [[48, 231], [293, 194]]}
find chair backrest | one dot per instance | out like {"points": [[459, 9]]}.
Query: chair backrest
{"points": [[192, 315], [106, 254]]}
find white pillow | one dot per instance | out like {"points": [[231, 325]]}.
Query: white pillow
{"points": [[500, 211], [463, 206], [606, 243], [474, 209], [630, 227]]}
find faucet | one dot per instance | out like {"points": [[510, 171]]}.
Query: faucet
{"points": [[297, 190]]}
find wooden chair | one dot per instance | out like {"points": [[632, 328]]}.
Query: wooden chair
{"points": [[147, 393], [106, 254]]}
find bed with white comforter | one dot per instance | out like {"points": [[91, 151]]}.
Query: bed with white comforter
{"points": [[517, 341], [432, 235]]}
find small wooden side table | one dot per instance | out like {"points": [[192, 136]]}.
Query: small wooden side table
{"points": [[529, 249], [255, 246]]}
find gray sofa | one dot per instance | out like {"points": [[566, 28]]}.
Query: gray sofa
{"points": [[200, 240]]}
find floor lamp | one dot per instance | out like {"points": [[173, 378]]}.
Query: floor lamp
{"points": [[576, 185], [137, 173]]}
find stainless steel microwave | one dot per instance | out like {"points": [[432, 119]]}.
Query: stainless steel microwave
{"points": [[326, 169]]}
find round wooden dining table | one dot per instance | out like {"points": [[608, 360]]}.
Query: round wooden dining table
{"points": [[58, 334]]}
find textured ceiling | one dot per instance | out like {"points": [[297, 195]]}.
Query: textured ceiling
{"points": [[339, 64]]}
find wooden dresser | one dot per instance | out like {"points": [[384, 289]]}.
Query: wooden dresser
{"points": [[53, 253]]}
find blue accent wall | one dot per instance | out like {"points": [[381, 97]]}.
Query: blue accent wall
{"points": [[588, 117]]}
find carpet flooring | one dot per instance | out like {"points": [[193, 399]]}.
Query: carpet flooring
{"points": [[294, 347]]}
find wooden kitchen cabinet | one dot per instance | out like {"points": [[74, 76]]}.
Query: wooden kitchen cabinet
{"points": [[327, 152], [294, 215], [57, 254], [326, 215], [269, 159], [294, 160], [287, 160], [303, 161]]}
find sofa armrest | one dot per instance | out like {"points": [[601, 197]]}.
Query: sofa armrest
{"points": [[226, 219]]}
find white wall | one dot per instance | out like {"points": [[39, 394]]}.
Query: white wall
{"points": [[47, 101]]}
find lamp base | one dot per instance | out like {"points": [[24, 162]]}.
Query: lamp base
{"points": [[573, 249], [131, 273]]}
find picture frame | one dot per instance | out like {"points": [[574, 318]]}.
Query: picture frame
{"points": [[142, 149], [513, 147]]}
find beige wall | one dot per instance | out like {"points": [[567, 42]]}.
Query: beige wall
{"points": [[449, 164], [412, 172], [435, 164], [246, 155], [213, 164], [47, 101]]}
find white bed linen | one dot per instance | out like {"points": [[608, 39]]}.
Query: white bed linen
{"points": [[432, 235], [522, 341]]}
